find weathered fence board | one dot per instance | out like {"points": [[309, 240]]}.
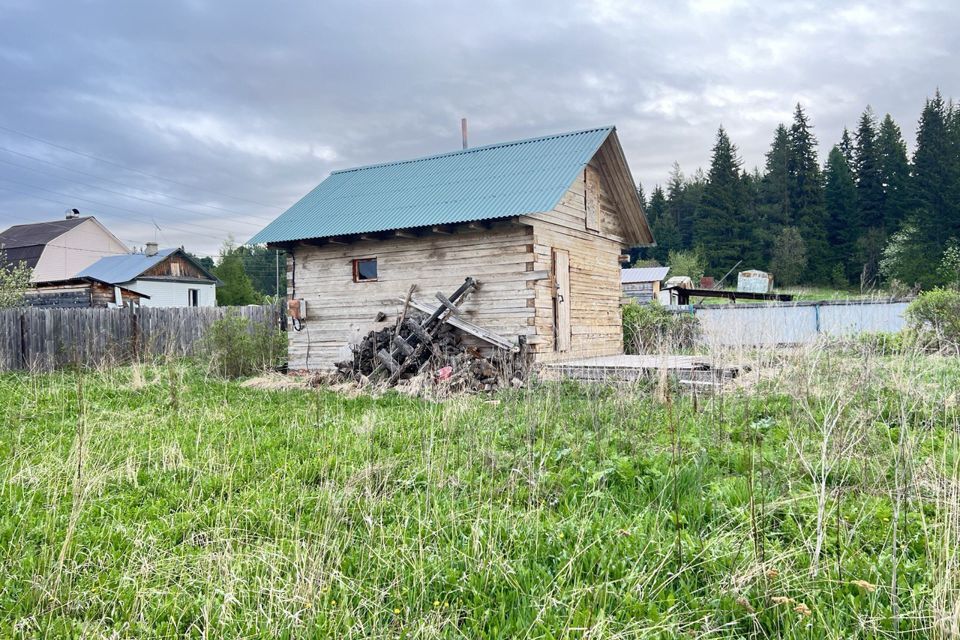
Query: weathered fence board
{"points": [[790, 323], [46, 339]]}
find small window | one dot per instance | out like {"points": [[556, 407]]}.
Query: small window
{"points": [[365, 270], [193, 297]]}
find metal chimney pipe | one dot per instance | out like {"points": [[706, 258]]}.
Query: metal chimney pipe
{"points": [[463, 131]]}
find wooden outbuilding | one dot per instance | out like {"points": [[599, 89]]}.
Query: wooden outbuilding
{"points": [[82, 293], [169, 277], [541, 224], [643, 283]]}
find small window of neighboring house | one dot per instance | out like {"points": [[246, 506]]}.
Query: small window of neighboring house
{"points": [[193, 297], [365, 270]]}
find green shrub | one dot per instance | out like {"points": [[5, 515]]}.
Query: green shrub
{"points": [[650, 328], [687, 263], [886, 343], [935, 316], [238, 348]]}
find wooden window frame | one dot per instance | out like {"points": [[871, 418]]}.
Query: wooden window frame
{"points": [[193, 294], [356, 269]]}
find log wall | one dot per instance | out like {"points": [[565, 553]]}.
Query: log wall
{"points": [[594, 270], [340, 311]]}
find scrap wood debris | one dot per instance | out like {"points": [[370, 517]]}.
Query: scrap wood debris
{"points": [[424, 351]]}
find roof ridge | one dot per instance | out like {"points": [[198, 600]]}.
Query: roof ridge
{"points": [[57, 221], [508, 143]]}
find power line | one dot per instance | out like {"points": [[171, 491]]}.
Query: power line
{"points": [[123, 195], [116, 182], [135, 217], [125, 168]]}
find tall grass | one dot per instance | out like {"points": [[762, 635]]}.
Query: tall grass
{"points": [[817, 498]]}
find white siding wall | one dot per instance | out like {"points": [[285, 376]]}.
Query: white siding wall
{"points": [[173, 294], [75, 250]]}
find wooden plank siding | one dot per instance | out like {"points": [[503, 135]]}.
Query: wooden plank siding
{"points": [[594, 270], [340, 311]]}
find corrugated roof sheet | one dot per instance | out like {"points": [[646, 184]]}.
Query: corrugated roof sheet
{"points": [[483, 183], [124, 268], [643, 274]]}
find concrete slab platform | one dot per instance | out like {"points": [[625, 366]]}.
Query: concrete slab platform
{"points": [[629, 368]]}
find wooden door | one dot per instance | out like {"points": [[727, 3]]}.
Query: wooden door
{"points": [[561, 277]]}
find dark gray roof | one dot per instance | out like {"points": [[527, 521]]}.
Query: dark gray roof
{"points": [[25, 242]]}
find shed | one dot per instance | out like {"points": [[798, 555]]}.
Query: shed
{"points": [[643, 283], [82, 293], [169, 277], [540, 223]]}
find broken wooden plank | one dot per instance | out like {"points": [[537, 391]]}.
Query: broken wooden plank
{"points": [[445, 301], [477, 331], [417, 330], [402, 345], [388, 361]]}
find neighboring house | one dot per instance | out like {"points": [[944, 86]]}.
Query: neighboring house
{"points": [[60, 249], [643, 283], [540, 223], [169, 277], [82, 293]]}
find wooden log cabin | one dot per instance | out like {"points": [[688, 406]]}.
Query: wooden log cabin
{"points": [[82, 293], [540, 223]]}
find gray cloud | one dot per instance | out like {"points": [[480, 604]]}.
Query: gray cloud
{"points": [[261, 100]]}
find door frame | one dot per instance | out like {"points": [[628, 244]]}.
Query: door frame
{"points": [[562, 333]]}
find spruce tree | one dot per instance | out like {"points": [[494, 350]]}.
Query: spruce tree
{"points": [[840, 195], [894, 174], [641, 195], [805, 191], [664, 227], [773, 201], [866, 168], [953, 188], [775, 186], [933, 177], [679, 205], [721, 226], [846, 147]]}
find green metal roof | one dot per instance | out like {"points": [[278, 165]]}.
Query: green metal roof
{"points": [[483, 183]]}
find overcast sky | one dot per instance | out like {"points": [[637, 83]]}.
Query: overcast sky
{"points": [[215, 117]]}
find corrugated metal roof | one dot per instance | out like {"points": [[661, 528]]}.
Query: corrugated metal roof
{"points": [[643, 274], [118, 269], [483, 183]]}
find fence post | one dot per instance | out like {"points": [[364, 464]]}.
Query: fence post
{"points": [[135, 333], [24, 360]]}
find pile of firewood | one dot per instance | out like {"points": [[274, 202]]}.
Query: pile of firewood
{"points": [[365, 361], [445, 363], [424, 351]]}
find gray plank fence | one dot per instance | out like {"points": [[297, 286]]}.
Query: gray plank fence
{"points": [[792, 323], [39, 339]]}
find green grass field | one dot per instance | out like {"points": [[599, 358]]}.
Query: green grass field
{"points": [[155, 502]]}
